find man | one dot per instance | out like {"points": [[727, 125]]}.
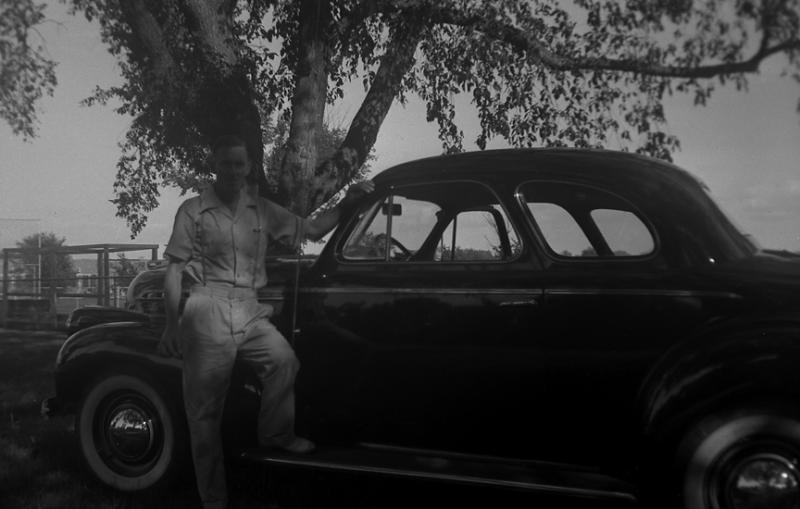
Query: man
{"points": [[220, 240]]}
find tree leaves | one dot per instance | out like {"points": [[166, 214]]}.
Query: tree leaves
{"points": [[26, 73], [593, 73]]}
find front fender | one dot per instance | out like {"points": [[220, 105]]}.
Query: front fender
{"points": [[112, 348], [736, 362]]}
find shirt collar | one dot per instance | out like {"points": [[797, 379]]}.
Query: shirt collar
{"points": [[210, 200]]}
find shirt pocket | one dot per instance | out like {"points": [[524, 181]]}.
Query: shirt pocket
{"points": [[215, 237]]}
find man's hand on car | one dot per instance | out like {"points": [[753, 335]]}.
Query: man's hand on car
{"points": [[358, 191]]}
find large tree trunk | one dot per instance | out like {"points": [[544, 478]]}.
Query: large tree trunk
{"points": [[308, 109]]}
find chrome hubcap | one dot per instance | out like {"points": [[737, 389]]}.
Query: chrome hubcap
{"points": [[130, 432], [761, 481]]}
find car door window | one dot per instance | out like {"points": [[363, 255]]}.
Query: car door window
{"points": [[584, 222], [434, 222], [476, 235], [391, 229]]}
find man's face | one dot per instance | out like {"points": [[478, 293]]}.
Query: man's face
{"points": [[231, 166]]}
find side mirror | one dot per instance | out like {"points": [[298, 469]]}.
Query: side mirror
{"points": [[396, 210]]}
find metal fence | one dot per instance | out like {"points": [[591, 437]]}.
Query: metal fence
{"points": [[32, 299]]}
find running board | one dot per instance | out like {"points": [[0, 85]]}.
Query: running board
{"points": [[542, 477]]}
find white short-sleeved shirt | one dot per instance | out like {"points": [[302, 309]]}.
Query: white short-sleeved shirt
{"points": [[229, 249]]}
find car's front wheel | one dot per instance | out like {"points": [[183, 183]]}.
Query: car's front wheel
{"points": [[128, 435], [747, 459]]}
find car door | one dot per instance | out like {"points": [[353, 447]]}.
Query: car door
{"points": [[436, 298], [613, 305]]}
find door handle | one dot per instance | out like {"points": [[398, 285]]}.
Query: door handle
{"points": [[519, 303]]}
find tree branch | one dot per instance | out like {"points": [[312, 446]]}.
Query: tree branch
{"points": [[523, 41], [212, 30], [368, 8], [362, 11], [228, 7], [345, 162], [538, 52], [146, 29]]}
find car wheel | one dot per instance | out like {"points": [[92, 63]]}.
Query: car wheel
{"points": [[741, 460], [127, 433]]}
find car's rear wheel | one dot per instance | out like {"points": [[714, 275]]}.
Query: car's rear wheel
{"points": [[747, 459], [127, 431]]}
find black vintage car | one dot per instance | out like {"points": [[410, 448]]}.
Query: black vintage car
{"points": [[583, 323]]}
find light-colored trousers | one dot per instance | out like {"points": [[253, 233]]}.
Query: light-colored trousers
{"points": [[218, 324]]}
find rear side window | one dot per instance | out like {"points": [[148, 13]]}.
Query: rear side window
{"points": [[560, 230], [625, 233], [584, 222]]}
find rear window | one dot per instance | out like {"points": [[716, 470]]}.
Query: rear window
{"points": [[583, 222]]}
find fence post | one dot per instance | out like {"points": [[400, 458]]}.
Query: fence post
{"points": [[99, 279], [53, 297], [5, 288], [107, 276]]}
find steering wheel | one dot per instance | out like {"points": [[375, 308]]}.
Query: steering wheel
{"points": [[404, 251]]}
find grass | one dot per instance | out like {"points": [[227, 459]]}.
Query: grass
{"points": [[41, 467]]}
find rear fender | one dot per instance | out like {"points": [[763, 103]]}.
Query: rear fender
{"points": [[729, 364]]}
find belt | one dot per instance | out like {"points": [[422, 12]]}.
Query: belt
{"points": [[226, 292]]}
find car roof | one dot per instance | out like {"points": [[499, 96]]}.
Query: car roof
{"points": [[667, 194], [593, 165]]}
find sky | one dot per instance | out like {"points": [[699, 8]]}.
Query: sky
{"points": [[744, 146]]}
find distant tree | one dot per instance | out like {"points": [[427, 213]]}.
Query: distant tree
{"points": [[56, 267], [589, 252], [125, 268], [469, 253]]}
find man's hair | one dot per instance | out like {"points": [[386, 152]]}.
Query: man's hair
{"points": [[229, 141]]}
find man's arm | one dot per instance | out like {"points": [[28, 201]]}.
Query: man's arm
{"points": [[170, 339], [319, 226]]}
